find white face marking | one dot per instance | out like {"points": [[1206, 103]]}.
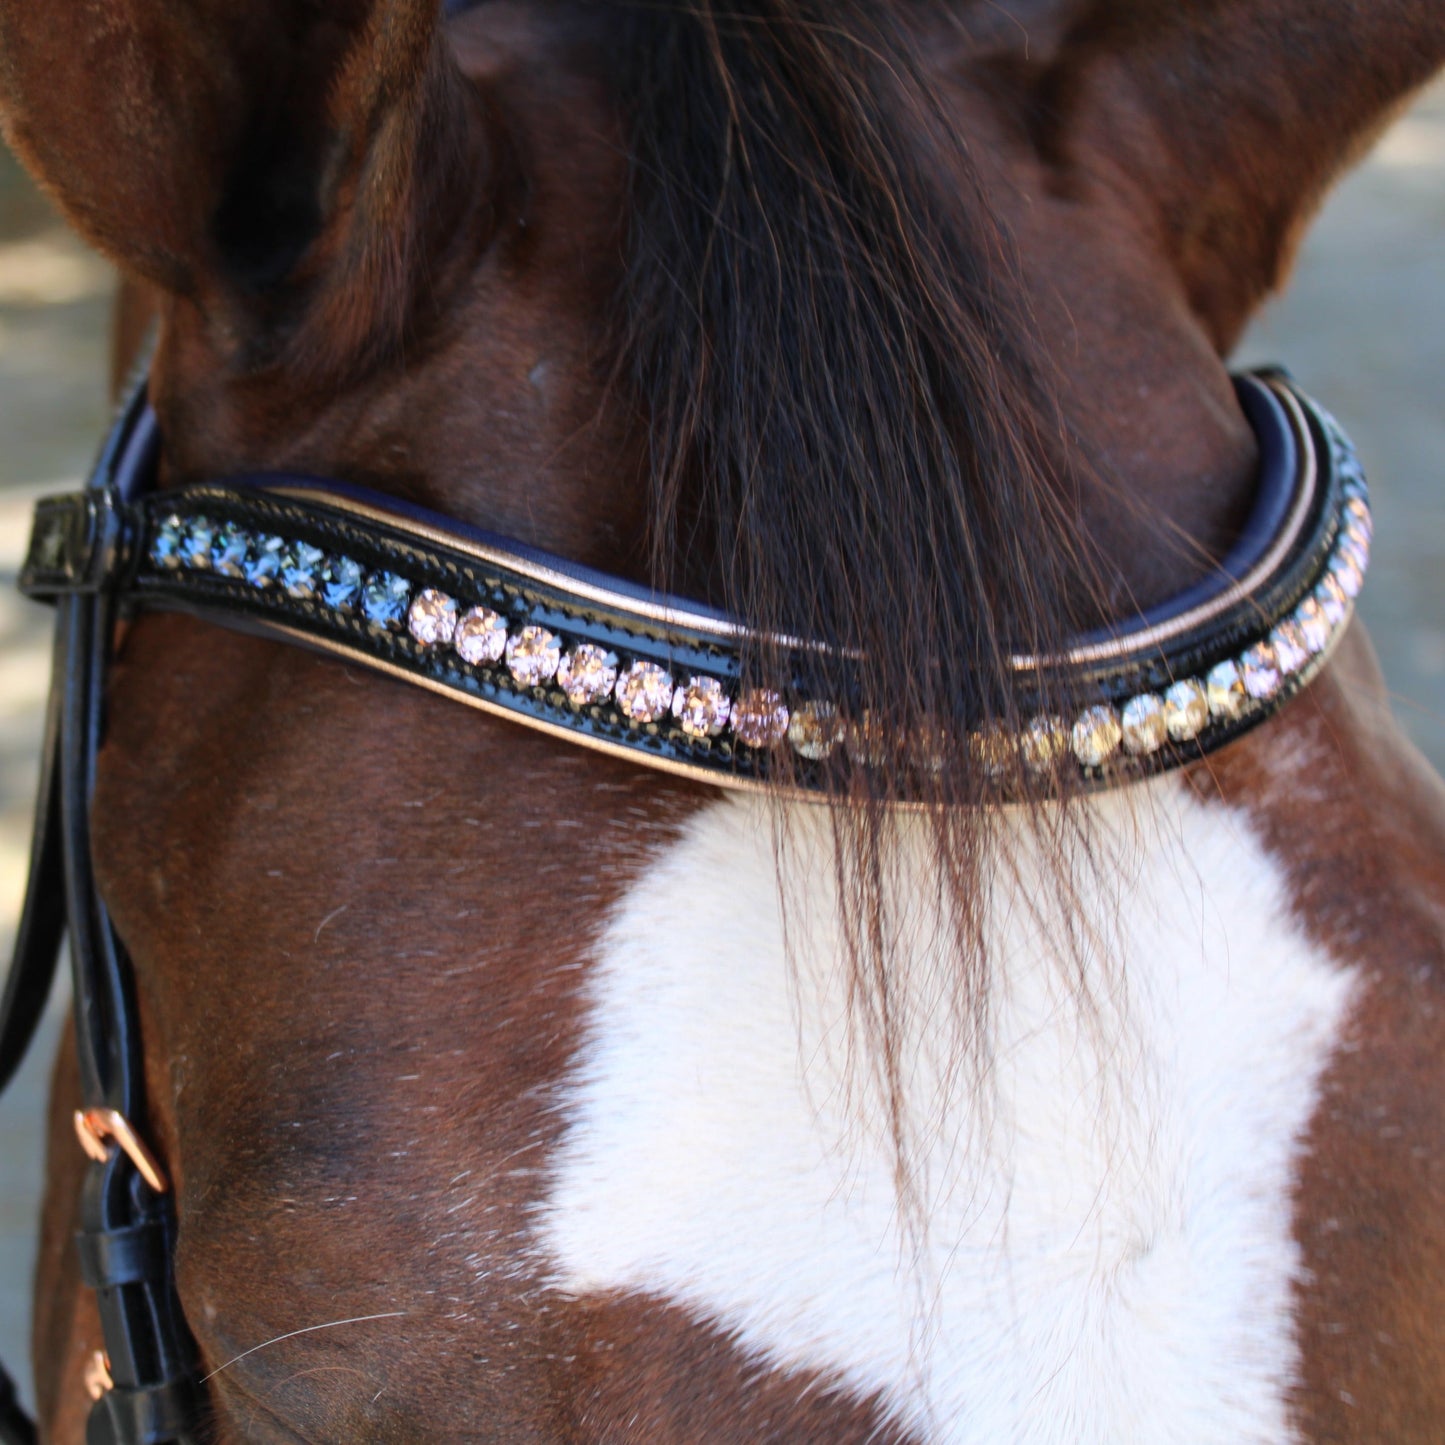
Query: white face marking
{"points": [[1109, 1256]]}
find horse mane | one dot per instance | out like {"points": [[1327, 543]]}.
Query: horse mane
{"points": [[854, 438]]}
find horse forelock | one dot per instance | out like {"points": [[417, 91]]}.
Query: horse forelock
{"points": [[853, 430]]}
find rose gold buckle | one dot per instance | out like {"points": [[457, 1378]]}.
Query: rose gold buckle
{"points": [[97, 1375], [98, 1127]]}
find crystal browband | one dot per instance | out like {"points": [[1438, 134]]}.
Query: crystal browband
{"points": [[656, 679]]}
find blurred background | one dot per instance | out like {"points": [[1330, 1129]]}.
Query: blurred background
{"points": [[1363, 328]]}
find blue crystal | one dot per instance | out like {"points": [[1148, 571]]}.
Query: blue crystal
{"points": [[384, 600], [229, 551], [341, 583], [301, 570], [196, 543], [263, 562], [166, 544]]}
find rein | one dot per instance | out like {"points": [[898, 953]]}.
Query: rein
{"points": [[581, 656]]}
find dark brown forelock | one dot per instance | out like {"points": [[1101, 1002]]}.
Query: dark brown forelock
{"points": [[852, 436]]}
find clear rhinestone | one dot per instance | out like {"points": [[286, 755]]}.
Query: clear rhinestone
{"points": [[341, 583], [816, 730], [1355, 547], [644, 692], [1291, 652], [587, 674], [196, 541], [1225, 688], [166, 544], [701, 707], [1358, 518], [1145, 724], [263, 562], [229, 551], [1346, 571], [301, 570], [1097, 735], [432, 618], [533, 655], [1333, 602], [1045, 741], [384, 600], [480, 636], [1186, 710], [1261, 671], [760, 718], [1313, 625]]}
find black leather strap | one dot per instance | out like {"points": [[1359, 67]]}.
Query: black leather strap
{"points": [[123, 1256], [127, 1228], [156, 1415]]}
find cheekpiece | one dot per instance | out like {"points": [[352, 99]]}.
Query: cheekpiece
{"points": [[656, 679]]}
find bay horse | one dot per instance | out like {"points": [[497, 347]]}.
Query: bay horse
{"points": [[509, 1090]]}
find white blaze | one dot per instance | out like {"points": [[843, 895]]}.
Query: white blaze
{"points": [[1109, 1257]]}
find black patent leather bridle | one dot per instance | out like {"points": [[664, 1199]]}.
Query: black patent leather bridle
{"points": [[584, 657]]}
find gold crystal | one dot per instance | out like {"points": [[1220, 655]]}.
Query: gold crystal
{"points": [[432, 618], [816, 730], [1358, 519], [1348, 573], [1045, 741], [1097, 735], [1261, 671], [481, 636], [701, 707], [1290, 650], [1144, 723], [1333, 602], [1314, 626], [1225, 689], [867, 741], [587, 674], [1186, 710], [644, 692], [533, 655], [994, 749], [760, 718]]}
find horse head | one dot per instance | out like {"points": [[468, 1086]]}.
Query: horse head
{"points": [[899, 328]]}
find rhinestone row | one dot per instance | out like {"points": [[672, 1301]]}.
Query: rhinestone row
{"points": [[587, 675], [1146, 722], [645, 693]]}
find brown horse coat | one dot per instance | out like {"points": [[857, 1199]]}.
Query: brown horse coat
{"points": [[392, 960]]}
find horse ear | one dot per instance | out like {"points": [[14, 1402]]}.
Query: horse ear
{"points": [[1233, 117], [261, 158]]}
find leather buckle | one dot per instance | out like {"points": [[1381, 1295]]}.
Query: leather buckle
{"points": [[97, 1375], [74, 544], [98, 1128]]}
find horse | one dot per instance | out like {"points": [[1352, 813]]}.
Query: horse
{"points": [[968, 1075]]}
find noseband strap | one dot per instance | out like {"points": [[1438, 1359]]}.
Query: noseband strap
{"points": [[583, 657]]}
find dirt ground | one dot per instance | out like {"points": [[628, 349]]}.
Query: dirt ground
{"points": [[1363, 328]]}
